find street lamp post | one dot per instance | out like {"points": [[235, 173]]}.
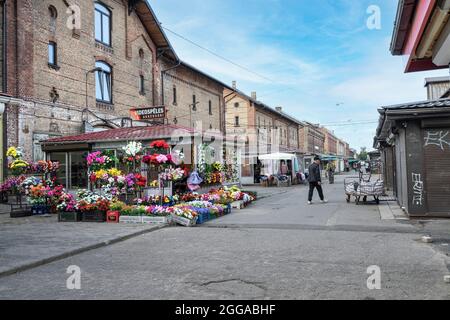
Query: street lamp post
{"points": [[86, 107]]}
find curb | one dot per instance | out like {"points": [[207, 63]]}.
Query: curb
{"points": [[75, 252]]}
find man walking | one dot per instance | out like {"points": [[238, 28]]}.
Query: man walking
{"points": [[315, 181]]}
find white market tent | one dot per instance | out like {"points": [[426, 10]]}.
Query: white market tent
{"points": [[272, 163]]}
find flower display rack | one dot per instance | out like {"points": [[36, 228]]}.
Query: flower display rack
{"points": [[20, 211]]}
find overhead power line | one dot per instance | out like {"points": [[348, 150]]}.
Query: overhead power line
{"points": [[217, 55]]}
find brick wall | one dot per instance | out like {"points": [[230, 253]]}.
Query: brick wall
{"points": [[31, 78], [187, 83]]}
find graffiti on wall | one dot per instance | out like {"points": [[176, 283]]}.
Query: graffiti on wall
{"points": [[418, 188], [438, 138]]}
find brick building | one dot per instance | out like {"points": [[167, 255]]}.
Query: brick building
{"points": [[266, 130], [71, 66]]}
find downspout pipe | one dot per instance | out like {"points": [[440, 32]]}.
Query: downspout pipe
{"points": [[163, 100]]}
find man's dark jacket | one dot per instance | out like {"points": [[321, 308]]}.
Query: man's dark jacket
{"points": [[314, 173]]}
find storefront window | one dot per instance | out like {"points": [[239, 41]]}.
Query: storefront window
{"points": [[61, 157], [78, 170]]}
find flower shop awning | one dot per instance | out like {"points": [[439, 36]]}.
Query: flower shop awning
{"points": [[134, 133]]}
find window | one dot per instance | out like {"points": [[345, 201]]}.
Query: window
{"points": [[236, 121], [236, 105], [141, 85], [52, 58], [141, 58], [174, 96], [210, 107], [103, 82], [102, 24], [53, 13]]}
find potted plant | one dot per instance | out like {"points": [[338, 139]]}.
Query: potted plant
{"points": [[157, 215], [113, 215], [128, 214], [38, 198], [67, 209], [184, 216], [94, 212]]}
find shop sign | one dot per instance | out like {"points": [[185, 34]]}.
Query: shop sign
{"points": [[150, 113]]}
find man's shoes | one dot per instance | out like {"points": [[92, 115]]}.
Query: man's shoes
{"points": [[324, 201], [310, 202]]}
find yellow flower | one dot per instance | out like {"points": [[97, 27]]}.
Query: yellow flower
{"points": [[100, 173], [114, 172], [12, 152]]}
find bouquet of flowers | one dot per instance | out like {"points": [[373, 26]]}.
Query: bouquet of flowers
{"points": [[13, 184], [157, 159], [214, 177], [133, 152], [188, 197], [100, 160], [66, 203], [43, 167], [172, 174], [19, 167], [54, 194], [159, 211], [14, 153], [184, 212], [38, 195], [30, 182], [156, 200], [160, 145]]}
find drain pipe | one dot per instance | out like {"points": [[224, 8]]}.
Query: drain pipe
{"points": [[163, 102]]}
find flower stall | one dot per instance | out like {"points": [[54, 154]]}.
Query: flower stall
{"points": [[146, 175], [31, 184]]}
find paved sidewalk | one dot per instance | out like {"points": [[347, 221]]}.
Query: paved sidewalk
{"points": [[29, 242]]}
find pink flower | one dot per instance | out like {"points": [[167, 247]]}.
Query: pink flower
{"points": [[162, 158]]}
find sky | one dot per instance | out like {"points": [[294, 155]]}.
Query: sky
{"points": [[316, 59]]}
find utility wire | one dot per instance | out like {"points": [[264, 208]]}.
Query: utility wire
{"points": [[217, 55]]}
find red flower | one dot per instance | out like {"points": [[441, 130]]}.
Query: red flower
{"points": [[159, 144], [93, 178]]}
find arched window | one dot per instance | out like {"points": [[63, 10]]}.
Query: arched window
{"points": [[103, 85], [102, 24], [53, 13]]}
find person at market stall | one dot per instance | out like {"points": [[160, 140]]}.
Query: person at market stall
{"points": [[315, 181]]}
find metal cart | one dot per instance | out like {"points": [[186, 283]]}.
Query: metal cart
{"points": [[361, 189]]}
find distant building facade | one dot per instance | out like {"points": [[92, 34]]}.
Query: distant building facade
{"points": [[264, 129]]}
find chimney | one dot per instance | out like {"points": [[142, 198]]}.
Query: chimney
{"points": [[234, 85], [279, 109], [254, 95]]}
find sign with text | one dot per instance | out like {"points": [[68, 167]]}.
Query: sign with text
{"points": [[150, 113]]}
